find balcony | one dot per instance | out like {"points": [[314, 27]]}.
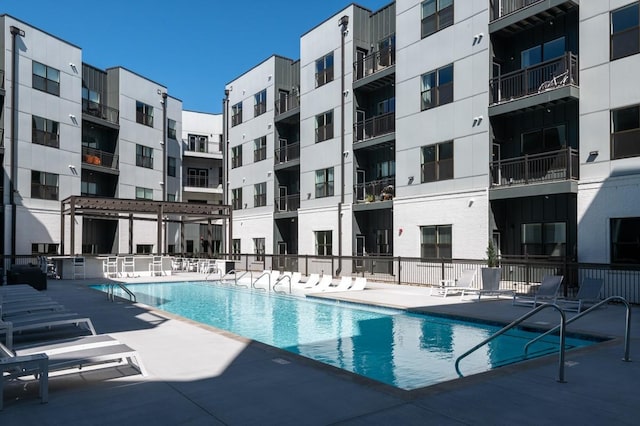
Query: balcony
{"points": [[512, 16], [287, 103], [287, 153], [100, 111], [100, 159], [376, 126], [554, 166], [376, 190], [201, 182], [290, 203], [375, 62], [545, 82]]}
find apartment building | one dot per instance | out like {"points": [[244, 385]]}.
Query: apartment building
{"points": [[71, 129], [428, 128]]}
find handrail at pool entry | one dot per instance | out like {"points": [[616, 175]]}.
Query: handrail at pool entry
{"points": [[253, 283], [111, 293], [627, 330], [279, 281], [563, 320]]}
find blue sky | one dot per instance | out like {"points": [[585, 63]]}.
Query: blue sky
{"points": [[194, 47]]}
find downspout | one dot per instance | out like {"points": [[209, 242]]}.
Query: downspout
{"points": [[165, 225], [225, 172], [14, 141], [343, 23]]}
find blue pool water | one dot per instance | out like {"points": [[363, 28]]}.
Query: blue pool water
{"points": [[402, 349]]}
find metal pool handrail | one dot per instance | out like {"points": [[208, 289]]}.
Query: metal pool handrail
{"points": [[563, 320], [253, 283], [279, 281], [111, 293], [627, 331]]}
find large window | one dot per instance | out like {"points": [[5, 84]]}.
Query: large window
{"points": [[324, 70], [436, 15], [437, 87], [236, 114], [549, 239], [198, 178], [45, 132], [260, 194], [625, 132], [144, 193], [625, 240], [44, 185], [435, 242], [198, 143], [171, 129], [437, 162], [44, 248], [236, 156], [236, 199], [236, 249], [144, 114], [260, 149], [260, 103], [171, 166], [625, 31], [542, 52], [323, 243], [544, 140], [324, 126], [144, 156], [258, 247], [46, 78], [324, 182]]}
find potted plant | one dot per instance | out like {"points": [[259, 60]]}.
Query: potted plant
{"points": [[370, 198], [492, 273]]}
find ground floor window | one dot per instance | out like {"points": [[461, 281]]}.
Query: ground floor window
{"points": [[324, 243], [625, 240], [144, 248], [44, 248], [258, 245], [435, 242], [544, 239], [235, 249]]}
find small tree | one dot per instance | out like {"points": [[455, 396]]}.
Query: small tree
{"points": [[492, 255]]}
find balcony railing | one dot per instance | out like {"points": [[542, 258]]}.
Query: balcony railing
{"points": [[377, 190], [551, 166], [290, 203], [102, 111], [548, 75], [199, 182], [287, 103], [287, 153], [375, 126], [377, 61], [503, 8], [99, 158]]}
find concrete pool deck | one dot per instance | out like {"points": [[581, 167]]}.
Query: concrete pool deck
{"points": [[199, 375]]}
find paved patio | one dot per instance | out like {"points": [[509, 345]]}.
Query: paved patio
{"points": [[199, 375]]}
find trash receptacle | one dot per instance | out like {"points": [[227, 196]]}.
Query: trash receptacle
{"points": [[27, 274]]}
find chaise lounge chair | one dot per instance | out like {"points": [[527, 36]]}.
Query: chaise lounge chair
{"points": [[323, 285], [311, 282], [462, 284], [589, 292], [547, 292], [46, 321], [359, 284], [490, 287]]}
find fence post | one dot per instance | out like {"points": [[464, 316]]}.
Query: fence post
{"points": [[306, 264], [399, 268], [441, 268]]}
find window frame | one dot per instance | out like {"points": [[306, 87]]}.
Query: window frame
{"points": [[144, 114], [324, 69], [45, 82], [144, 156], [438, 246], [324, 131], [236, 199], [171, 129], [627, 135], [260, 194], [147, 193], [236, 248], [236, 156], [438, 89], [439, 14], [624, 32], [172, 166], [323, 243], [43, 136], [633, 241], [260, 149], [437, 162], [260, 103], [236, 114], [43, 186], [259, 249], [325, 187]]}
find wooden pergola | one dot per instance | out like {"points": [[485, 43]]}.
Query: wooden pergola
{"points": [[159, 211]]}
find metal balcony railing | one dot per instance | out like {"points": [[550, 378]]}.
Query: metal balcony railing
{"points": [[503, 8], [287, 153], [99, 158], [377, 61], [551, 166], [290, 203], [286, 103], [199, 182], [375, 126], [107, 113], [377, 190], [548, 75]]}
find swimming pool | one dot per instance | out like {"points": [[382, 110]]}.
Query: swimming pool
{"points": [[402, 349]]}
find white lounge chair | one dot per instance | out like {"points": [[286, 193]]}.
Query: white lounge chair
{"points": [[547, 292], [128, 266], [462, 284], [589, 292], [359, 284], [323, 285], [490, 287], [156, 266], [343, 285], [35, 322], [110, 267], [311, 282]]}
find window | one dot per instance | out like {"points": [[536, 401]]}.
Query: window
{"points": [[144, 114], [259, 149], [171, 129], [324, 126], [144, 156], [236, 114], [544, 238], [437, 87], [258, 246], [324, 70], [171, 166], [46, 78], [435, 242], [625, 31], [236, 156], [144, 193], [88, 188], [324, 183], [45, 132], [544, 140], [625, 132], [260, 194], [625, 240], [260, 103], [44, 185], [437, 162], [144, 248], [171, 197], [235, 249], [44, 248], [550, 50], [436, 15], [198, 143], [236, 199], [323, 243], [198, 178]]}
